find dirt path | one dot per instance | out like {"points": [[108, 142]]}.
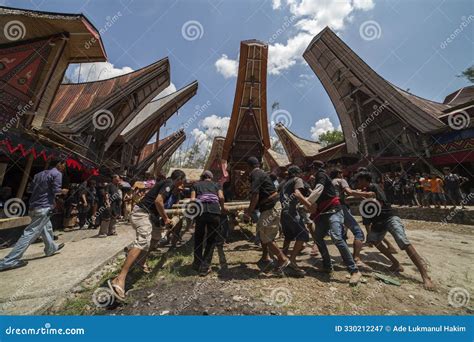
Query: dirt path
{"points": [[243, 289]]}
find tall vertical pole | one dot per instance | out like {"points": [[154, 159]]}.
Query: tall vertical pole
{"points": [[365, 151], [25, 177], [157, 143]]}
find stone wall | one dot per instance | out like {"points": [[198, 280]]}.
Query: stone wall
{"points": [[430, 214]]}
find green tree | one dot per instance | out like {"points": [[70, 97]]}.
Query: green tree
{"points": [[331, 137], [468, 73]]}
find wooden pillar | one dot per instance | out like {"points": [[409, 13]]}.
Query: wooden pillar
{"points": [[3, 170], [363, 140], [157, 143], [26, 176]]}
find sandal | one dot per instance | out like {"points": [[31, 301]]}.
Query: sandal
{"points": [[115, 289], [146, 269]]}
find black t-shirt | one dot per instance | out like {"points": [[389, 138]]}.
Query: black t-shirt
{"points": [[163, 188], [287, 189], [207, 194], [262, 184], [115, 200], [90, 194], [385, 210], [329, 191]]}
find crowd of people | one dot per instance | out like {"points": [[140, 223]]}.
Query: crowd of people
{"points": [[299, 206], [425, 190]]}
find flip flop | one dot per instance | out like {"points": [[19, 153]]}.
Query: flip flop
{"points": [[146, 269], [113, 288]]}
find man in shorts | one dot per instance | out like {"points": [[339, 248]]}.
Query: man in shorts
{"points": [[292, 222], [385, 221], [264, 197], [152, 205]]}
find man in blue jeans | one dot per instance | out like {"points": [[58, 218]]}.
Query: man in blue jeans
{"points": [[329, 219], [45, 186], [343, 189]]}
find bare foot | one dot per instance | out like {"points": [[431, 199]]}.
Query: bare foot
{"points": [[428, 284], [396, 268]]}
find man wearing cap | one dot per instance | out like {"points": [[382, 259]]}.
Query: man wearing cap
{"points": [[329, 219], [264, 197]]}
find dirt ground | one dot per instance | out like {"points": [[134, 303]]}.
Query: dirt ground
{"points": [[241, 289]]}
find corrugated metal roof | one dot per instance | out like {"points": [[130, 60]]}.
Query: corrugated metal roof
{"points": [[73, 99]]}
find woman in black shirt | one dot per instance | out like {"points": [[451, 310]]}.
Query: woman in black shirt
{"points": [[207, 202]]}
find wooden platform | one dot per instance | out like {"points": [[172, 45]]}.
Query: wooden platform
{"points": [[14, 222]]}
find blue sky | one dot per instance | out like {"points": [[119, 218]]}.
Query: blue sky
{"points": [[408, 50]]}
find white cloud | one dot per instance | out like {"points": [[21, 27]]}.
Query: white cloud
{"points": [[322, 126], [364, 4], [210, 127], [276, 4], [226, 66], [88, 72], [313, 16]]}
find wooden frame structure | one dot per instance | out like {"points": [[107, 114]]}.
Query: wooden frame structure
{"points": [[248, 128], [379, 120]]}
